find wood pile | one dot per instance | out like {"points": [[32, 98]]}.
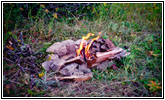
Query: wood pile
{"points": [[64, 61]]}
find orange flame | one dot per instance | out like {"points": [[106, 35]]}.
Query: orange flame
{"points": [[82, 42], [88, 46]]}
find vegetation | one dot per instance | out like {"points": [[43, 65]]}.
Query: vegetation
{"points": [[136, 25]]}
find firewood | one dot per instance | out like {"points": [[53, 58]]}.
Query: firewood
{"points": [[102, 56], [101, 40], [110, 44], [77, 59], [69, 56], [103, 48], [77, 78]]}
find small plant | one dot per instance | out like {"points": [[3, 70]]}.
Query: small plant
{"points": [[154, 86]]}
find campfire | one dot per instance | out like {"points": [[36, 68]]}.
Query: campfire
{"points": [[74, 59]]}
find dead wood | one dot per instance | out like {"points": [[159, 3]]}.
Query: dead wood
{"points": [[68, 56], [103, 48], [77, 78], [110, 44], [69, 66], [102, 56], [77, 59]]}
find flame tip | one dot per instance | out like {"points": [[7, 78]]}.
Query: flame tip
{"points": [[87, 54]]}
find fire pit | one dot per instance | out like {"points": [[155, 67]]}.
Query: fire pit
{"points": [[74, 59]]}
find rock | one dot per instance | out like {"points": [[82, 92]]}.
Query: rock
{"points": [[57, 64], [54, 64], [103, 66], [52, 48], [69, 69], [79, 41], [78, 72], [71, 49], [58, 49], [52, 57], [84, 68], [62, 48], [46, 65]]}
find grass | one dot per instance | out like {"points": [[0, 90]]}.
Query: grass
{"points": [[135, 25]]}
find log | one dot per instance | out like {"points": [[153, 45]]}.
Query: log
{"points": [[102, 56], [77, 78], [69, 56], [110, 44], [77, 59]]}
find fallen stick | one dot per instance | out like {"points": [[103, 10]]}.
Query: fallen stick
{"points": [[77, 59], [77, 78]]}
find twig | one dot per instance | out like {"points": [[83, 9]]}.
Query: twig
{"points": [[21, 39], [8, 60]]}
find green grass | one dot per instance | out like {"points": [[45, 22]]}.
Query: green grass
{"points": [[135, 25]]}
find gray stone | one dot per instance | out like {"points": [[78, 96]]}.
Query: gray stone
{"points": [[52, 57], [57, 64], [46, 65], [69, 69], [103, 66], [62, 48], [84, 68]]}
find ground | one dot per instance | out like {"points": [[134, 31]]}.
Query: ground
{"points": [[136, 26]]}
